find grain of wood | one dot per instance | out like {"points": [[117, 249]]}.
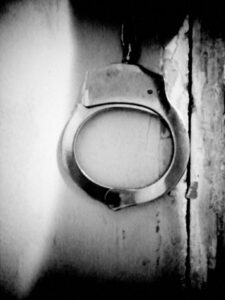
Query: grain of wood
{"points": [[207, 187]]}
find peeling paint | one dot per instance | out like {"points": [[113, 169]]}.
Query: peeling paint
{"points": [[193, 191]]}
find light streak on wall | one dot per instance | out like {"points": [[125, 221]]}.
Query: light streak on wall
{"points": [[37, 60]]}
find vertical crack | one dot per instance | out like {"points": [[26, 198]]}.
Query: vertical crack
{"points": [[188, 180]]}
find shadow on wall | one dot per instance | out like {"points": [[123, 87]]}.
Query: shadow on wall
{"points": [[155, 19], [66, 285], [159, 20]]}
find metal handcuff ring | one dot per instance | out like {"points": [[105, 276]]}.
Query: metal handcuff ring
{"points": [[132, 87]]}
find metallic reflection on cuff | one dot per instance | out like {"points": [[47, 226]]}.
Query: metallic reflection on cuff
{"points": [[125, 87]]}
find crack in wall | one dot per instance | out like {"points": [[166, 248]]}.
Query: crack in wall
{"points": [[188, 178]]}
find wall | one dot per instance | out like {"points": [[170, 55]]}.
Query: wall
{"points": [[53, 237]]}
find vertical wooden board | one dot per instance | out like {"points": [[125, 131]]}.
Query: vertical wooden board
{"points": [[206, 191]]}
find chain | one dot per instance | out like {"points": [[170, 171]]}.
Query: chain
{"points": [[129, 43]]}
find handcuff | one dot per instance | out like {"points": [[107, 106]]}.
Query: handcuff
{"points": [[131, 87]]}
